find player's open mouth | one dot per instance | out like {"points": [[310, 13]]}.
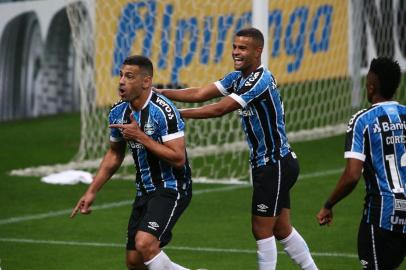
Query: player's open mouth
{"points": [[238, 60]]}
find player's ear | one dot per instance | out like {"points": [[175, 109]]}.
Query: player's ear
{"points": [[259, 51], [147, 82]]}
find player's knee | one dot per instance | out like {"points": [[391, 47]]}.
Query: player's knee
{"points": [[281, 231], [148, 247], [261, 232]]}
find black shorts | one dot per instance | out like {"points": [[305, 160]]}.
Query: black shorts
{"points": [[272, 184], [379, 248], [156, 213]]}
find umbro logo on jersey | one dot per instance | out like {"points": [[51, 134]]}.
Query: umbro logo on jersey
{"points": [[153, 225], [364, 264], [262, 207]]}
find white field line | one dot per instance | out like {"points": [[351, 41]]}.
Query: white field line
{"points": [[129, 202], [183, 248], [98, 207]]}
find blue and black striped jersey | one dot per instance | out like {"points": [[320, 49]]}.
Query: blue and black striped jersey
{"points": [[262, 114], [160, 120], [377, 136]]}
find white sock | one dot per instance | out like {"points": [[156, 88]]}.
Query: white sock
{"points": [[296, 247], [267, 254], [160, 262], [178, 267]]}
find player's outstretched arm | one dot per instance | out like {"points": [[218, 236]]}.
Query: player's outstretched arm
{"points": [[346, 184], [192, 94], [224, 106], [109, 165]]}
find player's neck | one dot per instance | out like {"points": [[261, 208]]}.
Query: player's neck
{"points": [[138, 103], [379, 99], [248, 71]]}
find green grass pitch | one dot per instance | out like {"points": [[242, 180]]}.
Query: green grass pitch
{"points": [[214, 233]]}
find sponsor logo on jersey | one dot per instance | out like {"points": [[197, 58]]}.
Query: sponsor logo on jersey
{"points": [[149, 129], [245, 113], [396, 220], [252, 79], [135, 145], [262, 207], [400, 205], [377, 128], [166, 107], [153, 225], [387, 126]]}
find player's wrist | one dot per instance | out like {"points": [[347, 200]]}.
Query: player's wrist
{"points": [[328, 205]]}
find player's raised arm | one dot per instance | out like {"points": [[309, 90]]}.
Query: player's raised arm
{"points": [[192, 94]]}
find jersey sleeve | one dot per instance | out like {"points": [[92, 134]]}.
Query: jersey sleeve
{"points": [[254, 86], [170, 123], [355, 138], [225, 85], [115, 134]]}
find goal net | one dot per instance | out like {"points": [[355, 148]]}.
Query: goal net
{"points": [[314, 48]]}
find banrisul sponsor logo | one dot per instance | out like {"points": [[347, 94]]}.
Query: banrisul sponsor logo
{"points": [[387, 126]]}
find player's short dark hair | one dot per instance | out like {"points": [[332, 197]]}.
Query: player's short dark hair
{"points": [[143, 62], [253, 33], [388, 73]]}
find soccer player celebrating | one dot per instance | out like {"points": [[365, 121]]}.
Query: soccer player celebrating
{"points": [[154, 131], [252, 90], [375, 145]]}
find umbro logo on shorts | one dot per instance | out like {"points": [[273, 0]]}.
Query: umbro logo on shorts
{"points": [[262, 207], [364, 264], [153, 225]]}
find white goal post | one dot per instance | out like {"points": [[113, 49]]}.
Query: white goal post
{"points": [[318, 50]]}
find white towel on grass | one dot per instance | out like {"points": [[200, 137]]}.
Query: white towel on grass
{"points": [[70, 177]]}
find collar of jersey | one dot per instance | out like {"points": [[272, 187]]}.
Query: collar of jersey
{"points": [[385, 103]]}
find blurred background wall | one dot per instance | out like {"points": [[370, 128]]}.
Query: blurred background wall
{"points": [[37, 61]]}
